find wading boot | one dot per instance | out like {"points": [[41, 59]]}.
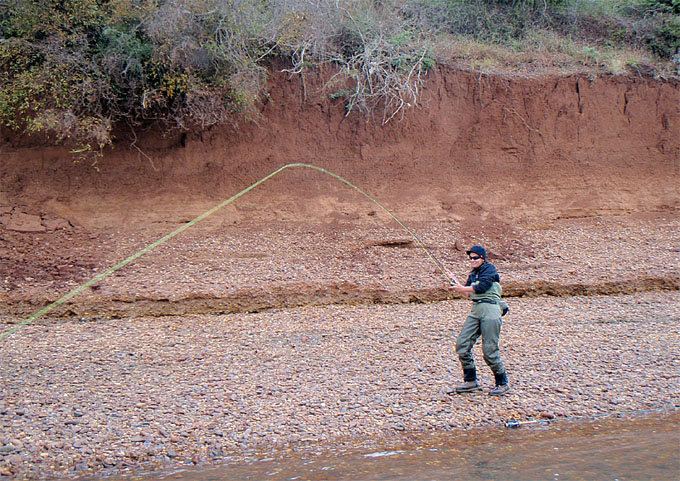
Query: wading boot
{"points": [[467, 386], [469, 383], [501, 385]]}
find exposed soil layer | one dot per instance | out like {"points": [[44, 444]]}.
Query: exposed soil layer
{"points": [[476, 147]]}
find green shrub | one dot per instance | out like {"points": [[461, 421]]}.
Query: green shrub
{"points": [[72, 70], [664, 41]]}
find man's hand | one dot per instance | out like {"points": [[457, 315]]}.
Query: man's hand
{"points": [[464, 290]]}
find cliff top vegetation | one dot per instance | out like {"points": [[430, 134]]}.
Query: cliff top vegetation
{"points": [[72, 72]]}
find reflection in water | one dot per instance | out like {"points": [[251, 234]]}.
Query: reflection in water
{"points": [[642, 448]]}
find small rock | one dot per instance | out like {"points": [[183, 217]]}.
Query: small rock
{"points": [[18, 445], [22, 222]]}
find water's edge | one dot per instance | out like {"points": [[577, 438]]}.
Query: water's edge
{"points": [[636, 447]]}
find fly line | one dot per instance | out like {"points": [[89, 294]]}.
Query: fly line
{"points": [[184, 227]]}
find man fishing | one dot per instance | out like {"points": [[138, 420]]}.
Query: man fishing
{"points": [[484, 288]]}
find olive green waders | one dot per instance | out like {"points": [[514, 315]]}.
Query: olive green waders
{"points": [[484, 320]]}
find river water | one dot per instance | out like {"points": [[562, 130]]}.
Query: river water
{"points": [[632, 448]]}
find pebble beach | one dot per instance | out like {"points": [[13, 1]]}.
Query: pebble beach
{"points": [[83, 396]]}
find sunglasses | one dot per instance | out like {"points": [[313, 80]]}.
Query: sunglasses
{"points": [[475, 258]]}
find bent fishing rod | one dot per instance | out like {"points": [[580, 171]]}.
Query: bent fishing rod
{"points": [[452, 280], [420, 243]]}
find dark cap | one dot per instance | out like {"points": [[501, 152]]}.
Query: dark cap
{"points": [[479, 250]]}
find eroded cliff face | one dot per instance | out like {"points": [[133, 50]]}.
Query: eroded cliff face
{"points": [[476, 146]]}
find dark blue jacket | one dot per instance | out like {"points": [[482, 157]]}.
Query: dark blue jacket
{"points": [[486, 274]]}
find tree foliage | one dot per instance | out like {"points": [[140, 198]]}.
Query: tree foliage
{"points": [[73, 69]]}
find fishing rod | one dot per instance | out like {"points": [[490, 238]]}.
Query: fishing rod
{"points": [[420, 243], [452, 280]]}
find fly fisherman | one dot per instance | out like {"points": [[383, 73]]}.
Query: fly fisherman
{"points": [[484, 288]]}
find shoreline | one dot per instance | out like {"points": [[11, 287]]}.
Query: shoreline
{"points": [[344, 460]]}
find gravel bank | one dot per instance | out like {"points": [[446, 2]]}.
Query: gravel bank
{"points": [[94, 397], [83, 391], [222, 268]]}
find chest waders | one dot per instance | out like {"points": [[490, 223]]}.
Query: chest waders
{"points": [[484, 320]]}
